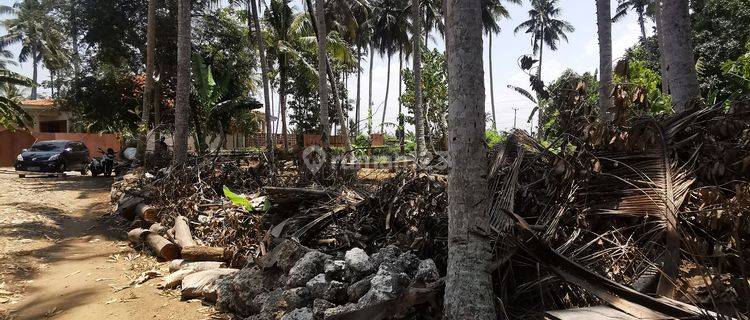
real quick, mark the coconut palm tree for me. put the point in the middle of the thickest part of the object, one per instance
(280, 20)
(38, 33)
(433, 19)
(416, 36)
(182, 91)
(261, 50)
(11, 114)
(389, 23)
(604, 28)
(678, 53)
(148, 87)
(492, 12)
(641, 8)
(545, 29)
(468, 289)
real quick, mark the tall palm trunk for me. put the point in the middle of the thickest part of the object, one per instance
(52, 83)
(148, 87)
(340, 115)
(260, 46)
(540, 103)
(359, 88)
(417, 57)
(282, 99)
(387, 87)
(322, 85)
(157, 110)
(182, 96)
(678, 50)
(35, 74)
(492, 85)
(369, 104)
(642, 24)
(604, 23)
(468, 289)
(660, 40)
(400, 92)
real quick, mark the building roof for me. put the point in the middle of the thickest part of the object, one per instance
(39, 103)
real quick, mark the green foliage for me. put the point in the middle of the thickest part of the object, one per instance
(739, 71)
(642, 78)
(238, 199)
(493, 138)
(106, 101)
(434, 90)
(573, 98)
(11, 114)
(720, 34)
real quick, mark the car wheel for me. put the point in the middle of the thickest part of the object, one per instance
(84, 169)
(61, 167)
(21, 175)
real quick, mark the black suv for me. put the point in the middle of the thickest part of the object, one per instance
(54, 156)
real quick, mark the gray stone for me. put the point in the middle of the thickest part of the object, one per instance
(284, 255)
(261, 316)
(306, 268)
(335, 312)
(336, 270)
(336, 292)
(389, 253)
(320, 306)
(236, 293)
(359, 288)
(280, 300)
(427, 272)
(317, 286)
(299, 314)
(358, 262)
(386, 285)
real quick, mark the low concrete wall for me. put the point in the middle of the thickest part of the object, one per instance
(12, 142)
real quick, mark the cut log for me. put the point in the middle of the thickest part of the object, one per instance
(139, 223)
(203, 253)
(138, 235)
(180, 264)
(203, 284)
(159, 229)
(175, 278)
(126, 206)
(162, 247)
(147, 212)
(182, 235)
(170, 234)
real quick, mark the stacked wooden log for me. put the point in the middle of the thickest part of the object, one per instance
(199, 267)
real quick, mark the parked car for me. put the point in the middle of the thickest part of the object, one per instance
(54, 156)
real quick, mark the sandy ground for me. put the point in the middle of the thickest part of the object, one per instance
(62, 256)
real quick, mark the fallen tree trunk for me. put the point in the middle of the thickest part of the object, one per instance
(162, 247)
(158, 229)
(182, 235)
(138, 235)
(139, 223)
(180, 264)
(146, 212)
(203, 284)
(174, 279)
(203, 253)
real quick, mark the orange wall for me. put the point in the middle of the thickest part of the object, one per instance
(11, 143)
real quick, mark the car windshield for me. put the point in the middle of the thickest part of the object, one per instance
(48, 146)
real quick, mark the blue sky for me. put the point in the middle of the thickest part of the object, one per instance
(579, 54)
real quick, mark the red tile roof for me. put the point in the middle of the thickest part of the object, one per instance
(39, 102)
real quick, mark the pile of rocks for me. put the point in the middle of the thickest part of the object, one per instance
(295, 283)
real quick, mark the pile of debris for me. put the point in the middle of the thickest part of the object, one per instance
(615, 219)
(295, 282)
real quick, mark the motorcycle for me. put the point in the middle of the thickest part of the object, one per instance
(103, 164)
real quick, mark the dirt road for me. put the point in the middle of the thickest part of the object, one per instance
(63, 257)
